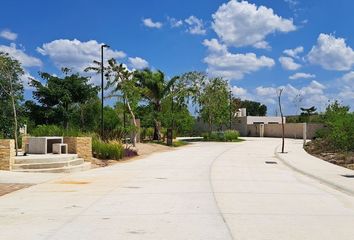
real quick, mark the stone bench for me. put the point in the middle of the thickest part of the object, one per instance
(60, 148)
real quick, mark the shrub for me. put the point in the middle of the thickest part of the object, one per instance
(147, 133)
(219, 136)
(54, 130)
(231, 135)
(107, 150)
(340, 128)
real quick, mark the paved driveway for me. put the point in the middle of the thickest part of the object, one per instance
(201, 191)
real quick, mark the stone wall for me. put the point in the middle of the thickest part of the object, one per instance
(24, 142)
(82, 146)
(7, 153)
(291, 130)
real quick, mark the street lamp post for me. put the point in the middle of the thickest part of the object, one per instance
(102, 86)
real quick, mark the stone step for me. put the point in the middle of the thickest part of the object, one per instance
(44, 158)
(77, 168)
(73, 162)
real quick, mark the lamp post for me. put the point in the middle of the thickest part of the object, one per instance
(102, 86)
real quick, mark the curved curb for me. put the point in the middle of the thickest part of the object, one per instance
(320, 179)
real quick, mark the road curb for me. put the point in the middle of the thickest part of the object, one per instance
(313, 176)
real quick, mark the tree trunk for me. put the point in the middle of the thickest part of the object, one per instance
(134, 122)
(157, 127)
(157, 123)
(282, 121)
(15, 117)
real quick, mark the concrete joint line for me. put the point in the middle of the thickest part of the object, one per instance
(320, 179)
(212, 190)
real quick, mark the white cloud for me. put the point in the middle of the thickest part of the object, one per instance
(312, 95)
(175, 23)
(302, 75)
(222, 63)
(331, 53)
(288, 63)
(214, 46)
(294, 52)
(148, 22)
(346, 86)
(239, 91)
(242, 24)
(348, 77)
(196, 26)
(76, 54)
(347, 93)
(292, 3)
(266, 91)
(7, 34)
(262, 45)
(266, 95)
(138, 63)
(21, 56)
(25, 78)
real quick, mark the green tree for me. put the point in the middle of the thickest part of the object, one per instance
(214, 103)
(122, 85)
(253, 108)
(340, 127)
(154, 89)
(11, 95)
(58, 99)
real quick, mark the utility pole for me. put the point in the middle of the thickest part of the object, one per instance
(102, 87)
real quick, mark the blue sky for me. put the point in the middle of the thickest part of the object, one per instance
(305, 47)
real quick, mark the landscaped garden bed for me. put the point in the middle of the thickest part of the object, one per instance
(319, 148)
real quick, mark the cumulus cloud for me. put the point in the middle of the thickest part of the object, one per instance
(242, 24)
(288, 63)
(348, 77)
(174, 23)
(294, 52)
(195, 25)
(239, 92)
(229, 65)
(331, 53)
(76, 54)
(21, 56)
(266, 91)
(148, 22)
(312, 95)
(138, 63)
(346, 86)
(347, 93)
(302, 75)
(7, 34)
(214, 46)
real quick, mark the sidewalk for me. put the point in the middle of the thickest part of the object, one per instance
(299, 160)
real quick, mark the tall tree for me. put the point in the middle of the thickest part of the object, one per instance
(58, 98)
(154, 89)
(11, 91)
(122, 84)
(214, 103)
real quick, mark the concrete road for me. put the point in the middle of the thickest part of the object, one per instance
(201, 191)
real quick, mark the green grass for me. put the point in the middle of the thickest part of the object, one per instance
(174, 143)
(179, 143)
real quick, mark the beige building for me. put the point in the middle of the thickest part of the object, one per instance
(242, 120)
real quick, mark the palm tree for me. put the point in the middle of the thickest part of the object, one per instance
(154, 89)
